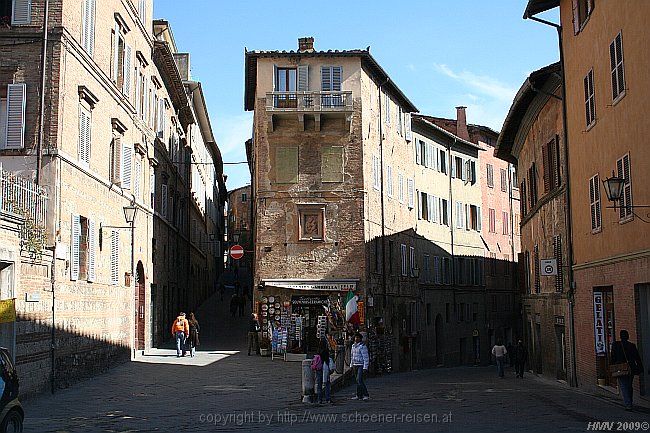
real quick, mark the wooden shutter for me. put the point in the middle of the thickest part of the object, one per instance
(164, 199)
(547, 169)
(84, 135)
(127, 159)
(473, 171)
(326, 78)
(557, 251)
(332, 164)
(88, 26)
(116, 161)
(16, 96)
(418, 152)
(92, 247)
(115, 257)
(286, 164)
(22, 12)
(75, 229)
(126, 88)
(336, 78)
(623, 167)
(408, 135)
(115, 46)
(576, 16)
(303, 78)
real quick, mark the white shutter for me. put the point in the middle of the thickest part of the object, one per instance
(92, 246)
(84, 135)
(115, 41)
(152, 186)
(138, 89)
(411, 193)
(126, 88)
(419, 198)
(91, 29)
(115, 257)
(163, 200)
(303, 78)
(467, 217)
(418, 152)
(22, 12)
(126, 166)
(16, 94)
(478, 218)
(408, 134)
(137, 176)
(75, 229)
(453, 168)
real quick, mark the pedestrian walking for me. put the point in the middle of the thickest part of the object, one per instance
(359, 363)
(253, 329)
(234, 304)
(625, 363)
(242, 303)
(499, 351)
(180, 331)
(194, 334)
(520, 357)
(323, 373)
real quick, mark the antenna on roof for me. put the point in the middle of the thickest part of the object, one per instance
(368, 48)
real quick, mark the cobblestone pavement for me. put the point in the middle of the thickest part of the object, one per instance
(223, 389)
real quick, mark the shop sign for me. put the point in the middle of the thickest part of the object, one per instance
(599, 324)
(308, 300)
(315, 285)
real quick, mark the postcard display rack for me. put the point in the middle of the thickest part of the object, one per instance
(285, 330)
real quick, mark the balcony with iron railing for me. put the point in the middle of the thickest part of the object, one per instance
(309, 101)
(22, 197)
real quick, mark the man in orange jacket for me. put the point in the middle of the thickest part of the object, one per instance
(180, 330)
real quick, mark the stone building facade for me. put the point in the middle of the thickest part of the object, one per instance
(604, 50)
(532, 138)
(109, 104)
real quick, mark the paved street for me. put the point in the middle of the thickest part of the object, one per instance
(222, 389)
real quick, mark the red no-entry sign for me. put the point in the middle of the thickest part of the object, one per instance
(236, 252)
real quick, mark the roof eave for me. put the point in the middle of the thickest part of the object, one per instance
(447, 133)
(535, 7)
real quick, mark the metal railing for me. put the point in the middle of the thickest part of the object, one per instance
(22, 197)
(309, 101)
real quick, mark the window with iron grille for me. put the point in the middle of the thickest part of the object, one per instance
(616, 64)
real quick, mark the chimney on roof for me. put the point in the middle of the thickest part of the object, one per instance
(306, 45)
(461, 123)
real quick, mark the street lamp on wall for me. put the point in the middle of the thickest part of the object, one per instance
(614, 188)
(129, 213)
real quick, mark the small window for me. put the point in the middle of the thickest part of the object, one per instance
(490, 176)
(88, 26)
(581, 11)
(400, 187)
(312, 224)
(412, 261)
(506, 223)
(492, 217)
(376, 173)
(617, 70)
(403, 260)
(411, 193)
(590, 99)
(389, 181)
(443, 161)
(244, 197)
(504, 180)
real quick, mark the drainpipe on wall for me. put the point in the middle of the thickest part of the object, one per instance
(383, 224)
(39, 144)
(572, 285)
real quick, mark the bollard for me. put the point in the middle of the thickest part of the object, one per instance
(340, 358)
(307, 381)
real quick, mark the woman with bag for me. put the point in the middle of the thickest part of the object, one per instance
(625, 362)
(194, 334)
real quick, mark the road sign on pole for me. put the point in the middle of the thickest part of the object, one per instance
(548, 267)
(236, 252)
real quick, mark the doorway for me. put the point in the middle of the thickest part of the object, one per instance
(560, 353)
(643, 334)
(439, 341)
(139, 307)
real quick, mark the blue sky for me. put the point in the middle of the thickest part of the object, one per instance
(442, 54)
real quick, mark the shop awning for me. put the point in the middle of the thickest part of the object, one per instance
(313, 285)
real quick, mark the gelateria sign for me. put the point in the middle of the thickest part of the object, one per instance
(599, 324)
(332, 285)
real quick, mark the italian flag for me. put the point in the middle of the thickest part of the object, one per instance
(351, 312)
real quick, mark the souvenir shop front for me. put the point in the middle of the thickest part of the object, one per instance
(296, 314)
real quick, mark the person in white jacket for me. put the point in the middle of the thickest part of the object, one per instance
(360, 361)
